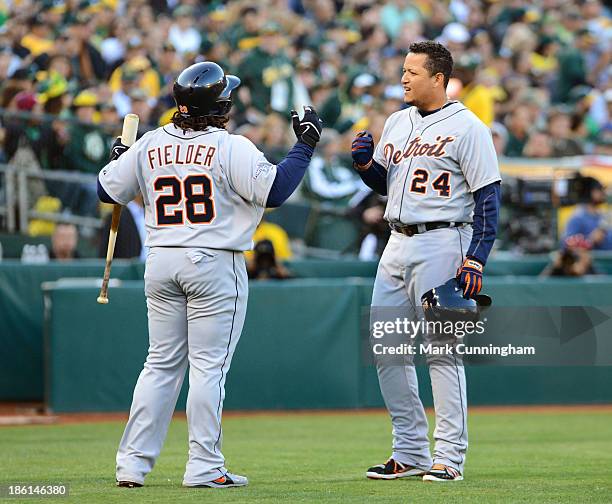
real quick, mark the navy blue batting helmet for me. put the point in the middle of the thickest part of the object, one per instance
(446, 302)
(203, 89)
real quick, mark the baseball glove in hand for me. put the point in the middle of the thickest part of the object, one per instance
(117, 149)
(362, 150)
(470, 277)
(308, 130)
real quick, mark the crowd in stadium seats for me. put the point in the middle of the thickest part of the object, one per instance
(538, 73)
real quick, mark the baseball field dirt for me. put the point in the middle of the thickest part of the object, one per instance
(522, 455)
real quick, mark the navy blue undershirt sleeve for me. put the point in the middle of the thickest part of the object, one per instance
(375, 177)
(289, 173)
(487, 201)
(103, 195)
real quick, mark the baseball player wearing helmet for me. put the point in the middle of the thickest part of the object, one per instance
(205, 191)
(437, 164)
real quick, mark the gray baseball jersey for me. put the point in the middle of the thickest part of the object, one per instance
(204, 194)
(200, 188)
(434, 163)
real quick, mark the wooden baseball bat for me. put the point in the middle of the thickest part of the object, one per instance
(128, 137)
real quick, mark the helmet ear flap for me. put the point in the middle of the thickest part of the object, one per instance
(221, 108)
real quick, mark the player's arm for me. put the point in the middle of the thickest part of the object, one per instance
(478, 161)
(291, 170)
(487, 201)
(268, 185)
(117, 182)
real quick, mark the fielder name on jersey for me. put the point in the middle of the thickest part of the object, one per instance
(434, 163)
(170, 154)
(207, 194)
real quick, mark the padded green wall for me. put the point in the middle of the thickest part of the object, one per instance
(300, 348)
(21, 308)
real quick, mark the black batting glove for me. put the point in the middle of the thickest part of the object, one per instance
(117, 149)
(308, 130)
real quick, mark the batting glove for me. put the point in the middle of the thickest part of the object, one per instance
(117, 149)
(308, 130)
(362, 150)
(470, 277)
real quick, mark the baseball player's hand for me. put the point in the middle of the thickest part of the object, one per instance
(117, 149)
(362, 150)
(308, 130)
(470, 277)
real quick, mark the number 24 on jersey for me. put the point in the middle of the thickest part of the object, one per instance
(420, 178)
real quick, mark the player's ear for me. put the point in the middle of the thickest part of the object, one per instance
(439, 79)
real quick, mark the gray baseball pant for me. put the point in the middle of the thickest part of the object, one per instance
(409, 267)
(196, 301)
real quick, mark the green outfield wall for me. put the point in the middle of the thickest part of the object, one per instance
(300, 348)
(280, 354)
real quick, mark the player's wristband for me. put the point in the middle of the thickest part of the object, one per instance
(365, 167)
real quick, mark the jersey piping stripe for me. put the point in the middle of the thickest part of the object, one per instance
(484, 222)
(189, 138)
(226, 352)
(410, 164)
(456, 370)
(460, 402)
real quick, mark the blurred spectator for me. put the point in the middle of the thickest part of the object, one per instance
(275, 137)
(539, 145)
(264, 264)
(519, 123)
(513, 60)
(87, 62)
(39, 39)
(605, 134)
(141, 106)
(267, 74)
(559, 127)
(245, 35)
(64, 243)
(474, 95)
(183, 35)
(500, 137)
(329, 177)
(131, 234)
(572, 65)
(88, 147)
(275, 235)
(574, 261)
(589, 222)
(369, 208)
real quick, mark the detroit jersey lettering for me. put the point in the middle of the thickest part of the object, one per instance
(434, 163)
(200, 188)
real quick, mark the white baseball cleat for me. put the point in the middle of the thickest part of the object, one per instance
(441, 472)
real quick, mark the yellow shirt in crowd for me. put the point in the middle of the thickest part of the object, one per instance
(278, 237)
(480, 100)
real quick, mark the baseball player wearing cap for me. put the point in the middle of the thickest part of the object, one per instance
(204, 191)
(437, 164)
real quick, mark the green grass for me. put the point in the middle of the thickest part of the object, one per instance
(513, 457)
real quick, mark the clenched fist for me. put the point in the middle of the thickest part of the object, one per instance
(362, 150)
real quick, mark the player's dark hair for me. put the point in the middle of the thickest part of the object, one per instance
(439, 59)
(198, 123)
